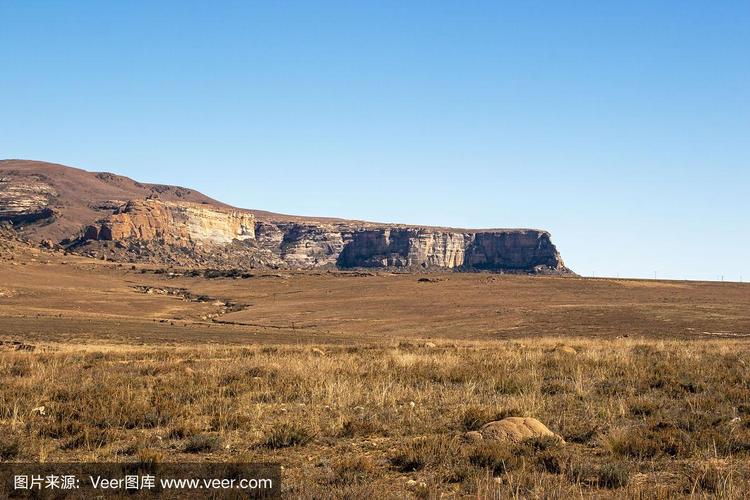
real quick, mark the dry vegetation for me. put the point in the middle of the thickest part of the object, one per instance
(363, 384)
(641, 418)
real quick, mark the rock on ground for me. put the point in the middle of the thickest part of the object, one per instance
(565, 349)
(515, 430)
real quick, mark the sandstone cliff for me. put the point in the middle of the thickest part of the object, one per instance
(513, 249)
(172, 222)
(109, 216)
(26, 199)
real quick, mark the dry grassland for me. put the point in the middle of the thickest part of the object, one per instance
(649, 419)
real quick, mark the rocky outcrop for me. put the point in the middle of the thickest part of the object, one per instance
(173, 222)
(25, 199)
(513, 430)
(299, 245)
(108, 216)
(513, 249)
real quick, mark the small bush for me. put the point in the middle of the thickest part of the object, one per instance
(352, 470)
(549, 461)
(643, 407)
(286, 435)
(459, 473)
(203, 443)
(613, 475)
(648, 443)
(434, 450)
(710, 480)
(182, 430)
(149, 457)
(359, 427)
(510, 386)
(705, 477)
(410, 459)
(493, 456)
(535, 444)
(580, 433)
(89, 438)
(9, 448)
(20, 368)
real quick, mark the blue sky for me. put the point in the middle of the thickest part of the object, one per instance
(621, 127)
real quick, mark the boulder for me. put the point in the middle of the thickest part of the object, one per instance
(565, 349)
(516, 430)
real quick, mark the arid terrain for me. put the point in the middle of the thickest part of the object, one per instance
(365, 383)
(152, 324)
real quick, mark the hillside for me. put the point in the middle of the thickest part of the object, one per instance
(111, 217)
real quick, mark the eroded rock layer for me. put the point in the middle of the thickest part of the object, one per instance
(512, 249)
(109, 216)
(172, 222)
(25, 199)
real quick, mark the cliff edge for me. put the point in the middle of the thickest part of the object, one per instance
(108, 216)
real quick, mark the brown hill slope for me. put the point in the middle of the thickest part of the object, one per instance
(29, 190)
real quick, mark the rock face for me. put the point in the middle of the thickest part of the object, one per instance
(514, 249)
(301, 245)
(405, 247)
(109, 216)
(172, 223)
(25, 199)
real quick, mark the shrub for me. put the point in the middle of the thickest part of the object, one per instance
(410, 459)
(643, 407)
(707, 477)
(9, 448)
(90, 438)
(613, 475)
(580, 433)
(474, 418)
(20, 368)
(549, 461)
(286, 435)
(510, 386)
(435, 450)
(648, 443)
(149, 457)
(493, 456)
(359, 427)
(203, 443)
(352, 470)
(182, 430)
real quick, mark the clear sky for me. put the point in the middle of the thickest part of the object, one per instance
(621, 127)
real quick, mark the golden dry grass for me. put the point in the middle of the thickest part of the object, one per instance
(641, 418)
(362, 384)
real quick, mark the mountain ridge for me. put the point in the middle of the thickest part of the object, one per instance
(82, 211)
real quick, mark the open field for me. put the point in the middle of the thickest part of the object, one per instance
(364, 384)
(66, 298)
(649, 419)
